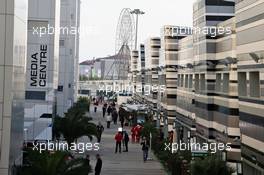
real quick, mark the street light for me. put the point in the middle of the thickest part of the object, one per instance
(137, 12)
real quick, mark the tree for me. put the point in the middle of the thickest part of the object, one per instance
(74, 125)
(57, 163)
(211, 165)
(83, 103)
(148, 128)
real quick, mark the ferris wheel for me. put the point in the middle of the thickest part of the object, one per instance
(125, 31)
(125, 40)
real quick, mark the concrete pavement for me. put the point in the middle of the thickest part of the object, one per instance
(125, 163)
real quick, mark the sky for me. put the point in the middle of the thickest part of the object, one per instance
(99, 19)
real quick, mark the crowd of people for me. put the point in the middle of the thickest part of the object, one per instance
(111, 114)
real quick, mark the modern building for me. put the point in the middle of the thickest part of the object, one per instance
(141, 68)
(207, 100)
(168, 68)
(13, 46)
(69, 56)
(214, 89)
(152, 48)
(134, 67)
(42, 68)
(250, 68)
(138, 72)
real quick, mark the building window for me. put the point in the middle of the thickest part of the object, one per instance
(218, 82)
(186, 81)
(179, 80)
(226, 83)
(190, 81)
(62, 43)
(182, 80)
(84, 92)
(60, 88)
(242, 84)
(254, 84)
(202, 80)
(197, 83)
(35, 95)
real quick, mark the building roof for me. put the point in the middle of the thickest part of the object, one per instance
(91, 62)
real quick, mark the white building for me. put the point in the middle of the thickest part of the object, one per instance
(13, 37)
(69, 56)
(42, 66)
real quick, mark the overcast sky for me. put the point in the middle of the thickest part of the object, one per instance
(99, 19)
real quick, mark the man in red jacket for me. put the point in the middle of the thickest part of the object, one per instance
(118, 138)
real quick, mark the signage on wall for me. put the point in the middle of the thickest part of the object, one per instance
(39, 67)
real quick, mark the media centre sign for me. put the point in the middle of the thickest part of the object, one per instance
(39, 67)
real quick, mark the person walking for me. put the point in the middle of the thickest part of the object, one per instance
(118, 139)
(145, 148)
(121, 117)
(104, 109)
(109, 110)
(114, 116)
(95, 105)
(98, 166)
(100, 130)
(108, 120)
(126, 140)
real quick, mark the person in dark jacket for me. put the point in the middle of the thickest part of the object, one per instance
(121, 117)
(126, 140)
(104, 109)
(109, 110)
(145, 149)
(98, 165)
(114, 116)
(100, 129)
(95, 106)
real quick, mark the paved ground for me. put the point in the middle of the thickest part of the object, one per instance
(126, 163)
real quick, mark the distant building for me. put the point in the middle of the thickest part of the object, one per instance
(100, 68)
(85, 68)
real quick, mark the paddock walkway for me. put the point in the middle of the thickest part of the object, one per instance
(126, 163)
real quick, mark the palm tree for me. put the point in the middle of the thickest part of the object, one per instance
(148, 128)
(74, 125)
(83, 103)
(211, 165)
(57, 163)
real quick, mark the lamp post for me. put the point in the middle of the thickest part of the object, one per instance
(137, 12)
